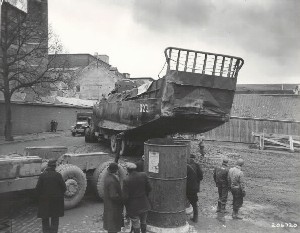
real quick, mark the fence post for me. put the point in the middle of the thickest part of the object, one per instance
(291, 144)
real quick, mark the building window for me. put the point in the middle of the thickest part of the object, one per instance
(78, 88)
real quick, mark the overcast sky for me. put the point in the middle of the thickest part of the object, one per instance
(134, 33)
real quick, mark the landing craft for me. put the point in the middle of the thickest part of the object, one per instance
(194, 96)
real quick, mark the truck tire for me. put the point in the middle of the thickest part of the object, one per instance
(76, 184)
(100, 173)
(113, 143)
(73, 134)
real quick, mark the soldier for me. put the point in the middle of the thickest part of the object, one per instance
(140, 164)
(237, 186)
(50, 191)
(194, 176)
(136, 188)
(201, 144)
(221, 180)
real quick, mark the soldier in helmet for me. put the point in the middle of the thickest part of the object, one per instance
(237, 186)
(221, 180)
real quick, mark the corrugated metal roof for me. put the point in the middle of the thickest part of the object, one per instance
(277, 107)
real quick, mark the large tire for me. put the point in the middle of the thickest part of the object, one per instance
(73, 134)
(113, 143)
(101, 172)
(76, 184)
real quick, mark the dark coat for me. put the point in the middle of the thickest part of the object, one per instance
(140, 165)
(136, 188)
(50, 191)
(113, 205)
(221, 176)
(194, 176)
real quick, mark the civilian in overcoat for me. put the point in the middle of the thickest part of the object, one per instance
(50, 190)
(194, 176)
(136, 188)
(113, 204)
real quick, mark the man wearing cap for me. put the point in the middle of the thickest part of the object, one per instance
(136, 188)
(50, 190)
(237, 186)
(194, 176)
(113, 204)
(221, 180)
(140, 164)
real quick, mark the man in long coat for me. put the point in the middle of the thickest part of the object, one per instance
(136, 188)
(194, 176)
(113, 204)
(50, 191)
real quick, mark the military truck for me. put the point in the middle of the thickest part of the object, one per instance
(21, 172)
(82, 122)
(194, 96)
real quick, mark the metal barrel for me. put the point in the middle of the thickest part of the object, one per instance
(165, 165)
(187, 142)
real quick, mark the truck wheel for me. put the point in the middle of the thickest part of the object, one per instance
(113, 143)
(124, 148)
(101, 172)
(76, 184)
(73, 134)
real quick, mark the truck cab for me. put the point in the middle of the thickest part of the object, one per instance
(82, 122)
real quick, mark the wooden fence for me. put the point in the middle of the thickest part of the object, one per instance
(240, 129)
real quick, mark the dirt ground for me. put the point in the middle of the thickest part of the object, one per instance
(272, 202)
(272, 185)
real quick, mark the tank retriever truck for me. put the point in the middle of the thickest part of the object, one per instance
(194, 96)
(21, 172)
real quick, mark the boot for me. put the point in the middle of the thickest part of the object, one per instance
(223, 209)
(195, 216)
(219, 207)
(143, 228)
(235, 215)
(136, 230)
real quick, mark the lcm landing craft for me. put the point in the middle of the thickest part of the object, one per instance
(194, 96)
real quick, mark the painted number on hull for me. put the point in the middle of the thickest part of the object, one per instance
(143, 107)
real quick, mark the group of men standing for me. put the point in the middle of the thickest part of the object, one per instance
(133, 195)
(230, 180)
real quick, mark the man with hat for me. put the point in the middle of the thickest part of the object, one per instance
(136, 188)
(221, 180)
(50, 190)
(194, 176)
(113, 204)
(237, 186)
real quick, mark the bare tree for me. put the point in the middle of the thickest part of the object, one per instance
(25, 62)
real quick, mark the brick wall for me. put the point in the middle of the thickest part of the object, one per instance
(34, 118)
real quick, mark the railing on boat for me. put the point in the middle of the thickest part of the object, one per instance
(203, 62)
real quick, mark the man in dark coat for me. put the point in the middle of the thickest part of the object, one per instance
(140, 164)
(194, 176)
(136, 188)
(221, 179)
(113, 204)
(50, 190)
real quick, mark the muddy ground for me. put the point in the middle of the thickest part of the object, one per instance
(272, 201)
(272, 184)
